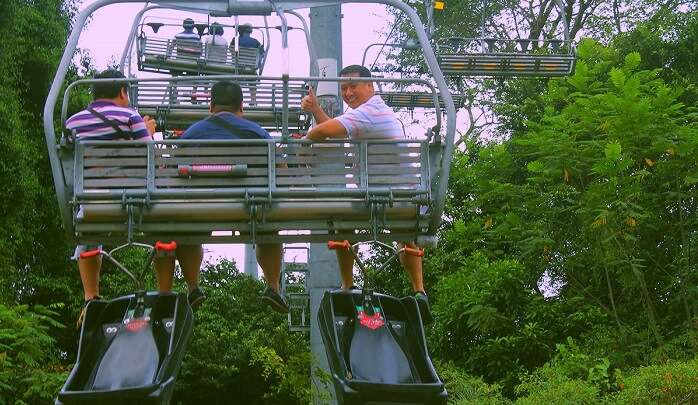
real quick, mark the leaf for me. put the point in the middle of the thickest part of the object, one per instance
(617, 77)
(632, 61)
(612, 151)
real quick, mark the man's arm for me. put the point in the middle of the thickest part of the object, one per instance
(311, 105)
(331, 128)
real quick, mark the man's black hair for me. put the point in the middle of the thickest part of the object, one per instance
(226, 94)
(188, 24)
(361, 70)
(245, 28)
(108, 90)
(216, 29)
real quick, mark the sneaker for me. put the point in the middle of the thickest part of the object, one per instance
(83, 311)
(196, 297)
(275, 301)
(424, 307)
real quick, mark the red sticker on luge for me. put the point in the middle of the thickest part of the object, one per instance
(372, 322)
(136, 324)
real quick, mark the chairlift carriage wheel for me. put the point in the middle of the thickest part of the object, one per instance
(243, 191)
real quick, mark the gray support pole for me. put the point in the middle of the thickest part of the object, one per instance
(250, 266)
(326, 33)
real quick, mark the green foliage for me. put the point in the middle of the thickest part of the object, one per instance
(465, 389)
(671, 383)
(241, 349)
(30, 371)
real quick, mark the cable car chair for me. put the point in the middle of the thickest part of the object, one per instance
(503, 57)
(181, 56)
(241, 191)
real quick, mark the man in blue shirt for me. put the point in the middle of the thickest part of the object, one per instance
(227, 122)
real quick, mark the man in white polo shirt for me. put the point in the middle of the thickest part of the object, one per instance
(368, 118)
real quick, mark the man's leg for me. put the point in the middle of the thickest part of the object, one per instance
(190, 258)
(269, 258)
(413, 267)
(346, 267)
(89, 275)
(164, 272)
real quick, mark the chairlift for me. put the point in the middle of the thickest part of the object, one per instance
(177, 56)
(238, 191)
(116, 191)
(504, 57)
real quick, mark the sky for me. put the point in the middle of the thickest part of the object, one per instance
(106, 34)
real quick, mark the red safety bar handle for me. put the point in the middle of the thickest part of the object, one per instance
(336, 244)
(167, 247)
(414, 252)
(90, 253)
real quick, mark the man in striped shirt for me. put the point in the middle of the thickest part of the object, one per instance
(109, 111)
(368, 118)
(109, 117)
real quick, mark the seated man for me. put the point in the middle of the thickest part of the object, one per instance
(246, 41)
(369, 118)
(216, 45)
(188, 42)
(227, 122)
(109, 117)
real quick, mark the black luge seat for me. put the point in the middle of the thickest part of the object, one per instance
(124, 358)
(379, 358)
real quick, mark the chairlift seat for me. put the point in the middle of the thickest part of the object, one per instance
(414, 99)
(505, 58)
(388, 364)
(135, 188)
(172, 56)
(179, 105)
(127, 360)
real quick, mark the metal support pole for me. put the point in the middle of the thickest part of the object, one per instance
(326, 33)
(250, 266)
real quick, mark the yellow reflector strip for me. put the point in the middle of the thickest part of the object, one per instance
(439, 5)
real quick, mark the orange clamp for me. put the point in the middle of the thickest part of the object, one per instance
(414, 252)
(90, 253)
(168, 247)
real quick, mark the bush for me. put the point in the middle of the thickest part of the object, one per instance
(465, 389)
(671, 383)
(30, 372)
(558, 390)
(240, 348)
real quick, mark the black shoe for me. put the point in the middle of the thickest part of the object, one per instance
(83, 311)
(275, 301)
(196, 297)
(424, 307)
